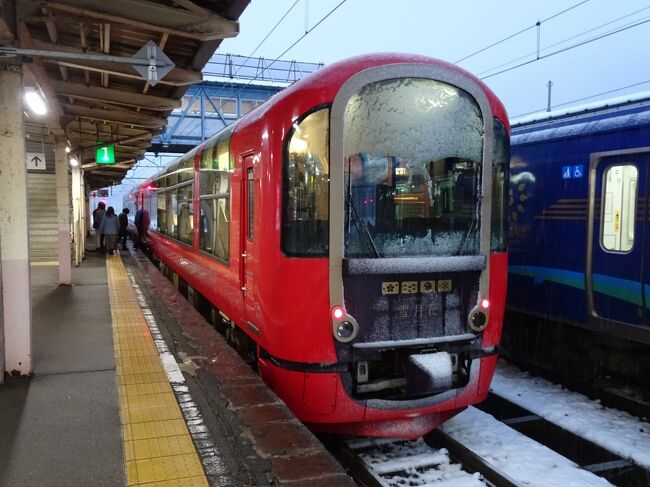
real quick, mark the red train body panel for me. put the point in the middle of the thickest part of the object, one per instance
(281, 233)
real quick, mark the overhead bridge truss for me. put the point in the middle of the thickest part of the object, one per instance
(234, 85)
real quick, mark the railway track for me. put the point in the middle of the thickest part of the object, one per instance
(588, 455)
(497, 444)
(382, 462)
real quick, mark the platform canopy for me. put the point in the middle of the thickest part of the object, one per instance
(95, 103)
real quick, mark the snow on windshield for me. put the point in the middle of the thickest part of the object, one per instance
(417, 119)
(413, 150)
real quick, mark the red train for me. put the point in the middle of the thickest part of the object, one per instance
(351, 232)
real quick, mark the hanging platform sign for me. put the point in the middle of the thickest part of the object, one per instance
(105, 155)
(35, 161)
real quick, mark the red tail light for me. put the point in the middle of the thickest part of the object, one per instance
(337, 312)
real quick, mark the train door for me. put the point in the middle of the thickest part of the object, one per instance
(617, 237)
(248, 254)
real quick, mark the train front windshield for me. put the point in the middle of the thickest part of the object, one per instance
(413, 150)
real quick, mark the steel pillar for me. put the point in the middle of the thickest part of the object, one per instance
(14, 226)
(63, 213)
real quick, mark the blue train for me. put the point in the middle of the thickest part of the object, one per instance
(579, 269)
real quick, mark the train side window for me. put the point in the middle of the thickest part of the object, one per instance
(500, 173)
(171, 203)
(185, 214)
(149, 206)
(214, 195)
(305, 187)
(161, 213)
(215, 227)
(618, 213)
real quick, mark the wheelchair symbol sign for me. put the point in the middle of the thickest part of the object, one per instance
(576, 171)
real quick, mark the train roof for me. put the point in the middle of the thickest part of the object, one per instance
(602, 116)
(328, 80)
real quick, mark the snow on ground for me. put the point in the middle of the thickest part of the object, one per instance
(396, 463)
(515, 455)
(614, 430)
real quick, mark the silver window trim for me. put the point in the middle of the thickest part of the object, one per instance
(351, 87)
(594, 161)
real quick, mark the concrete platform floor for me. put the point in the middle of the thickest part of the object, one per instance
(62, 425)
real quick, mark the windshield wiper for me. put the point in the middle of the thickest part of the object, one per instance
(468, 236)
(353, 216)
(362, 228)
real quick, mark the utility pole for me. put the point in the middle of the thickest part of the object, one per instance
(549, 85)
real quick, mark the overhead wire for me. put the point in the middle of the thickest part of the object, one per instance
(536, 24)
(559, 51)
(307, 32)
(272, 30)
(565, 40)
(577, 100)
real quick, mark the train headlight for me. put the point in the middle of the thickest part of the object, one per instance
(478, 317)
(344, 326)
(345, 330)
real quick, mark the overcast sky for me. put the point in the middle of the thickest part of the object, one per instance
(451, 30)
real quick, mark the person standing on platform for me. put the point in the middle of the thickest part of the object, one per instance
(139, 225)
(109, 229)
(98, 216)
(124, 223)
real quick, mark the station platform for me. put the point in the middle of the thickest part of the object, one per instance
(131, 386)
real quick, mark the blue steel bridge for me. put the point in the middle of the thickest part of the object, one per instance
(233, 86)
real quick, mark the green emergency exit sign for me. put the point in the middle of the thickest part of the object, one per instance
(105, 155)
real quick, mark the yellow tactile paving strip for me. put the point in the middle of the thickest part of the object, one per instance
(158, 449)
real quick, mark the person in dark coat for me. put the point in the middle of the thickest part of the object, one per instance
(98, 216)
(139, 225)
(124, 223)
(110, 229)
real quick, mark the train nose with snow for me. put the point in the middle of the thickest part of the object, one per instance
(352, 231)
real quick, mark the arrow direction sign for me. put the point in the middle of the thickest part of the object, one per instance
(154, 72)
(150, 61)
(35, 161)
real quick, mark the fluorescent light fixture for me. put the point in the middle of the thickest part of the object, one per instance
(35, 102)
(74, 162)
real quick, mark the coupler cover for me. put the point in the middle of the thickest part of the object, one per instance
(429, 373)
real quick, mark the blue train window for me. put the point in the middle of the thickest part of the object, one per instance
(619, 208)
